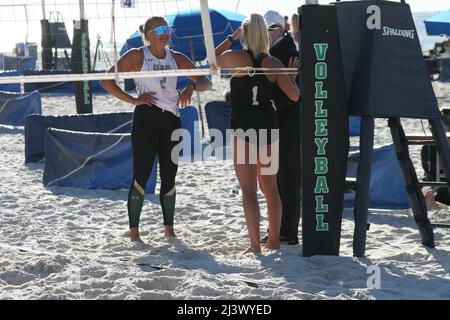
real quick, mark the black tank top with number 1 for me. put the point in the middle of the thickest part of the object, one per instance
(252, 106)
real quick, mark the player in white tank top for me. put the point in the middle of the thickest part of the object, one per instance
(159, 91)
(152, 127)
(165, 88)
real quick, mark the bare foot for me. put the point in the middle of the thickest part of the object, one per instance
(272, 245)
(429, 195)
(255, 250)
(134, 235)
(169, 232)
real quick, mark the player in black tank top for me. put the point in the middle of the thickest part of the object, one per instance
(252, 107)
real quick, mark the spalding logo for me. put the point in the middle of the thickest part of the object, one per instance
(373, 22)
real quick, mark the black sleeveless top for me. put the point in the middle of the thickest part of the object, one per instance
(251, 103)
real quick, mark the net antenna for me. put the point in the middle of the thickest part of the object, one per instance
(113, 39)
(237, 5)
(208, 35)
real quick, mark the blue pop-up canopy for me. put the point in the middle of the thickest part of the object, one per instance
(187, 37)
(438, 24)
(188, 31)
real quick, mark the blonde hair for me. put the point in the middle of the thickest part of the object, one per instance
(149, 25)
(295, 22)
(255, 35)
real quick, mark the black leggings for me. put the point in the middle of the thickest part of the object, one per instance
(150, 136)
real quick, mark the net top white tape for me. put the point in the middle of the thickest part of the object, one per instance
(103, 76)
(135, 75)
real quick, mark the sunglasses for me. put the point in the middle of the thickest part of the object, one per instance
(162, 30)
(271, 28)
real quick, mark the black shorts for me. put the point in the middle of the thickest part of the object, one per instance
(256, 127)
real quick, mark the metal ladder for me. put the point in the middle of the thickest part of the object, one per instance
(412, 183)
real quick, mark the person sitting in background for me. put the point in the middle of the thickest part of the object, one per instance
(440, 48)
(428, 156)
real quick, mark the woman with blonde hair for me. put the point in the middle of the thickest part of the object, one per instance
(254, 111)
(155, 118)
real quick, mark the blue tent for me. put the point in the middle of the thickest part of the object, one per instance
(97, 155)
(188, 32)
(90, 160)
(36, 125)
(15, 107)
(188, 36)
(10, 87)
(17, 62)
(438, 24)
(387, 187)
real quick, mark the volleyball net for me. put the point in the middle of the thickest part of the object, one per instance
(100, 28)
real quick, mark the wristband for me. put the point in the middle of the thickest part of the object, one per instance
(230, 38)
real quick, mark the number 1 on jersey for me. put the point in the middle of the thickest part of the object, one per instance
(255, 96)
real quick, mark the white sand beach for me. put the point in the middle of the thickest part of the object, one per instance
(67, 243)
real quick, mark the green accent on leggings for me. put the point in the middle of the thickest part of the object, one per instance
(135, 202)
(168, 208)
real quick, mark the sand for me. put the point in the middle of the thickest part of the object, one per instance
(67, 243)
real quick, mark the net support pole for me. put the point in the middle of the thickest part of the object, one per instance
(81, 9)
(324, 131)
(27, 19)
(207, 32)
(44, 16)
(361, 209)
(113, 38)
(46, 42)
(81, 63)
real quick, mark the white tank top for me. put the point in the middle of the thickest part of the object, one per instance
(165, 87)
